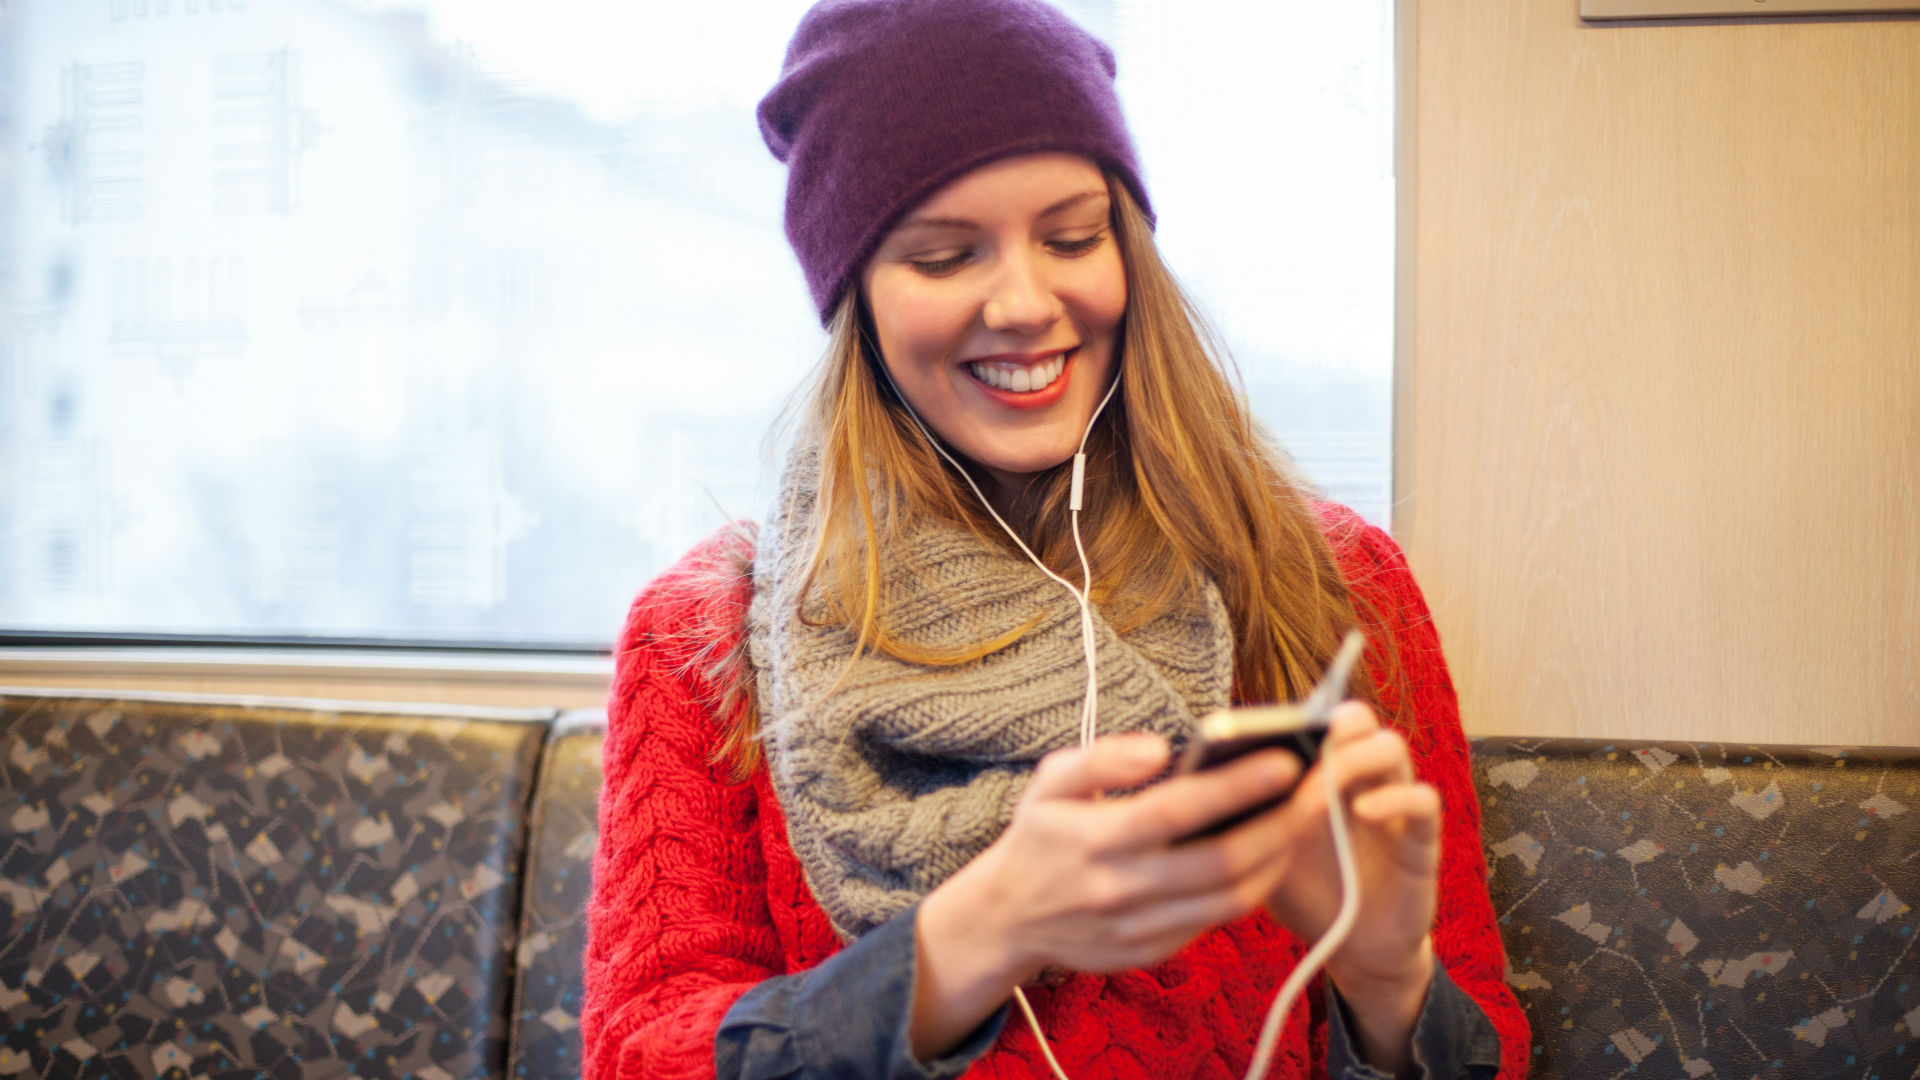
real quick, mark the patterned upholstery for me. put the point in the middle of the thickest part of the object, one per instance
(553, 929)
(1671, 910)
(219, 890)
(228, 888)
(1692, 910)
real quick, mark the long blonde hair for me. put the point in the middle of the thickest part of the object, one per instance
(1182, 482)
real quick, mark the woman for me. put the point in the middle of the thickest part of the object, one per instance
(847, 814)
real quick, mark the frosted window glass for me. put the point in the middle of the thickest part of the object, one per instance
(459, 319)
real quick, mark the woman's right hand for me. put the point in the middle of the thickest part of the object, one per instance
(1092, 884)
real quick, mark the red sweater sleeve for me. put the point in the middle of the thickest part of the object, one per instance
(678, 926)
(1466, 937)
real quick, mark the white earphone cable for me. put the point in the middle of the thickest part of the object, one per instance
(1089, 705)
(1335, 936)
(1089, 725)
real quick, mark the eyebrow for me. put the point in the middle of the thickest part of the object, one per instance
(1063, 205)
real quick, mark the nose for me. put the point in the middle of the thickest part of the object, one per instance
(1022, 299)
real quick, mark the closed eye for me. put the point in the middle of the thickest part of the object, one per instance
(1078, 247)
(940, 267)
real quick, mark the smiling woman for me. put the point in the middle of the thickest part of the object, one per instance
(1027, 534)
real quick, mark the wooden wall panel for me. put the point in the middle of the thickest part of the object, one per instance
(1658, 428)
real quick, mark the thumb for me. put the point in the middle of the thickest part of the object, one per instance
(1113, 761)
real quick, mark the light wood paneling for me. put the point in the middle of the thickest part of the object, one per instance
(1658, 436)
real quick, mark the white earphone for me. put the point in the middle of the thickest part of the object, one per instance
(1089, 707)
(1089, 721)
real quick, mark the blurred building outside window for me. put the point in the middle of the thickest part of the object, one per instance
(457, 320)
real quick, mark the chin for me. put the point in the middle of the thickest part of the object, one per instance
(1011, 465)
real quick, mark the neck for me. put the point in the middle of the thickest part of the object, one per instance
(1007, 491)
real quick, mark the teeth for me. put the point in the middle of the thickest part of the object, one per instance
(1017, 378)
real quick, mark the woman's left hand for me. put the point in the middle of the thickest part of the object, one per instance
(1385, 967)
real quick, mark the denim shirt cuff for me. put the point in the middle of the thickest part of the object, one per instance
(1452, 1037)
(848, 1016)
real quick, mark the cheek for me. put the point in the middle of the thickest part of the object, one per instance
(916, 325)
(1103, 298)
(1114, 311)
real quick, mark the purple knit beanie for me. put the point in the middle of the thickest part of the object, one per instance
(883, 102)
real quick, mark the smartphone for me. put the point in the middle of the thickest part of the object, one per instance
(1299, 728)
(1233, 733)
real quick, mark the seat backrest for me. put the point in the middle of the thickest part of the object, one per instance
(248, 886)
(553, 922)
(1692, 909)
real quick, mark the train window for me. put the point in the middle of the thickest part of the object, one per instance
(455, 320)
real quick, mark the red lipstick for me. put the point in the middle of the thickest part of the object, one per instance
(1028, 399)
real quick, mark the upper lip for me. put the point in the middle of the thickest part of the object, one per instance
(1020, 358)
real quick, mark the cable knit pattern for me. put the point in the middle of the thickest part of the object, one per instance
(893, 778)
(698, 895)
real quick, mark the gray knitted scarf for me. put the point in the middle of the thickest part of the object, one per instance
(902, 773)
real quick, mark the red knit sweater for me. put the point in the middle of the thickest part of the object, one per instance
(697, 895)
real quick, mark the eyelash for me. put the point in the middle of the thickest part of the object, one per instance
(1068, 248)
(1079, 247)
